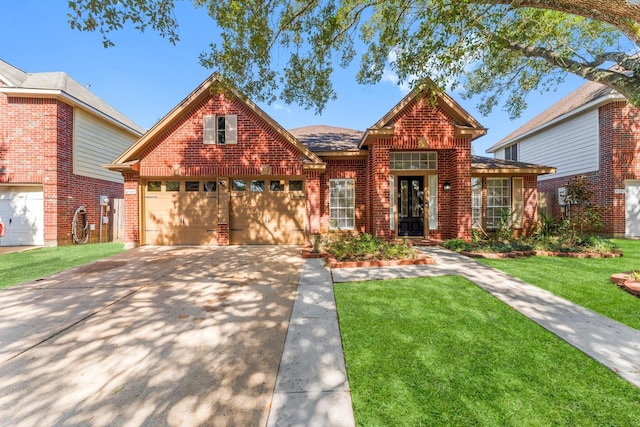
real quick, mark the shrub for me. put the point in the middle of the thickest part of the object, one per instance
(346, 246)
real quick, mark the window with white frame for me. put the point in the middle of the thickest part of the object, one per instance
(220, 130)
(511, 152)
(413, 160)
(476, 202)
(341, 204)
(498, 200)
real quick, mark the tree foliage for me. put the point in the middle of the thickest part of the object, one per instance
(500, 50)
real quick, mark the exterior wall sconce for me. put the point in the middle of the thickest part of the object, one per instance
(446, 186)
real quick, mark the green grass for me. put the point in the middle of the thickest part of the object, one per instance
(19, 267)
(583, 281)
(441, 351)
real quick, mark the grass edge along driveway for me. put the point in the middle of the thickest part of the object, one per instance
(20, 267)
(441, 351)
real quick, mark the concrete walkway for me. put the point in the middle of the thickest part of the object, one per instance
(312, 387)
(611, 343)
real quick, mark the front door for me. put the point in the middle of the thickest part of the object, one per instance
(410, 206)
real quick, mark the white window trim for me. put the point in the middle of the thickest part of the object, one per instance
(210, 129)
(350, 182)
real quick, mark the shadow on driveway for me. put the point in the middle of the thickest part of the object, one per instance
(153, 336)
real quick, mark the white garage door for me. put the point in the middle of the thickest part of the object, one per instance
(22, 212)
(632, 209)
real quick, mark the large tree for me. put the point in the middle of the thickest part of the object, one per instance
(500, 50)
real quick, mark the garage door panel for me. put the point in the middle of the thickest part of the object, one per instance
(181, 217)
(267, 217)
(22, 211)
(632, 209)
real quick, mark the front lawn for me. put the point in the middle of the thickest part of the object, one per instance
(19, 267)
(441, 351)
(583, 281)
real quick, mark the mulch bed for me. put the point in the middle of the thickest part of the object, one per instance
(526, 254)
(332, 262)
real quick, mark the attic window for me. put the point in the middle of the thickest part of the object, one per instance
(511, 152)
(221, 130)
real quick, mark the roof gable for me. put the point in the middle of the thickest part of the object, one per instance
(131, 155)
(464, 122)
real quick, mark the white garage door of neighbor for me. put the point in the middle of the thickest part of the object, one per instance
(632, 209)
(22, 212)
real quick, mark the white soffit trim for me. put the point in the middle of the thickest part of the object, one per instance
(33, 93)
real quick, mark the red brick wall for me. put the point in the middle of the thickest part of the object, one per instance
(36, 148)
(258, 145)
(421, 126)
(344, 169)
(312, 187)
(131, 209)
(620, 134)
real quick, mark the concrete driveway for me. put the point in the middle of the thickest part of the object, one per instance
(176, 336)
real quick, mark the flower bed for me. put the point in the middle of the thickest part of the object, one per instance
(344, 249)
(526, 254)
(332, 262)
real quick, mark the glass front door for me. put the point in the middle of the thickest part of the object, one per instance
(410, 206)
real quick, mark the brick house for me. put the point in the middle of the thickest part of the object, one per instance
(595, 132)
(54, 137)
(218, 170)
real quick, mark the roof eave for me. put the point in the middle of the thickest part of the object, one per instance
(373, 134)
(132, 166)
(337, 154)
(513, 171)
(62, 95)
(596, 103)
(468, 131)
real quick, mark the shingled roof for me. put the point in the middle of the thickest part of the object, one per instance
(321, 138)
(574, 102)
(490, 165)
(14, 80)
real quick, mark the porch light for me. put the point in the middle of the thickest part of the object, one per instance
(446, 186)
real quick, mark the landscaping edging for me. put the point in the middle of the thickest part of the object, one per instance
(332, 262)
(526, 254)
(630, 285)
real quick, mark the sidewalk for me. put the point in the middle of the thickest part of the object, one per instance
(312, 387)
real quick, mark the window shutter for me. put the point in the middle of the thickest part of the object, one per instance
(209, 129)
(231, 129)
(518, 202)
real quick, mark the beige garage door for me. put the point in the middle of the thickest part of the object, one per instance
(267, 211)
(181, 212)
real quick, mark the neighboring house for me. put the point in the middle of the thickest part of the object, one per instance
(218, 170)
(595, 132)
(54, 136)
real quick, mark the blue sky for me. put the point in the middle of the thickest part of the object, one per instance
(144, 76)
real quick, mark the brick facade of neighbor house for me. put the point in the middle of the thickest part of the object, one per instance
(37, 149)
(37, 124)
(609, 139)
(619, 160)
(174, 151)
